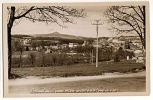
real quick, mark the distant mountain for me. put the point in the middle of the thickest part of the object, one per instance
(59, 35)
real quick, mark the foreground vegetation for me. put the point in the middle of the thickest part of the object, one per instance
(79, 69)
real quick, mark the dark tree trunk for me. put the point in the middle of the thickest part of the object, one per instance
(43, 56)
(21, 58)
(144, 29)
(9, 27)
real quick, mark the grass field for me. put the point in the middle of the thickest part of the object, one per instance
(78, 69)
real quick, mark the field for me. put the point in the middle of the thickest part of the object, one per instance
(78, 69)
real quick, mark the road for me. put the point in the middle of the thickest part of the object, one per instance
(122, 82)
(31, 80)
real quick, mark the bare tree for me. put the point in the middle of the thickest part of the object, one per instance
(129, 19)
(48, 14)
(42, 43)
(32, 58)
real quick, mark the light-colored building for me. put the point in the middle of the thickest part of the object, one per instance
(139, 56)
(54, 46)
(62, 46)
(48, 51)
(71, 45)
(26, 41)
(84, 43)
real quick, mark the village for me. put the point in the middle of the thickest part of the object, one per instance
(85, 48)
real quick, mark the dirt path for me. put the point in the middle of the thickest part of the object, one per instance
(38, 80)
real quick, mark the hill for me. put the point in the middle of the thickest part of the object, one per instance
(59, 35)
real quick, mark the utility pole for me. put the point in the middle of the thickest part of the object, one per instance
(97, 23)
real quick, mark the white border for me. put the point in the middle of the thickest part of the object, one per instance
(80, 98)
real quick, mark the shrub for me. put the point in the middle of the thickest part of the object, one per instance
(116, 58)
(122, 54)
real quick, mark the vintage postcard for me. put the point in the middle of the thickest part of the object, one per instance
(76, 49)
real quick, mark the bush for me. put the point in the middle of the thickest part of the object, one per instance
(60, 59)
(122, 54)
(40, 59)
(116, 58)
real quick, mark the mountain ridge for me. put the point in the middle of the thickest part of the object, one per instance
(59, 35)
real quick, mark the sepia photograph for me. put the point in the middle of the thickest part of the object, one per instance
(76, 49)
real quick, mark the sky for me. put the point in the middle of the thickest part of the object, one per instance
(82, 27)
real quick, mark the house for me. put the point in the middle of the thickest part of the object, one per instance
(84, 43)
(62, 46)
(71, 53)
(39, 48)
(26, 41)
(54, 46)
(48, 51)
(75, 44)
(139, 56)
(71, 45)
